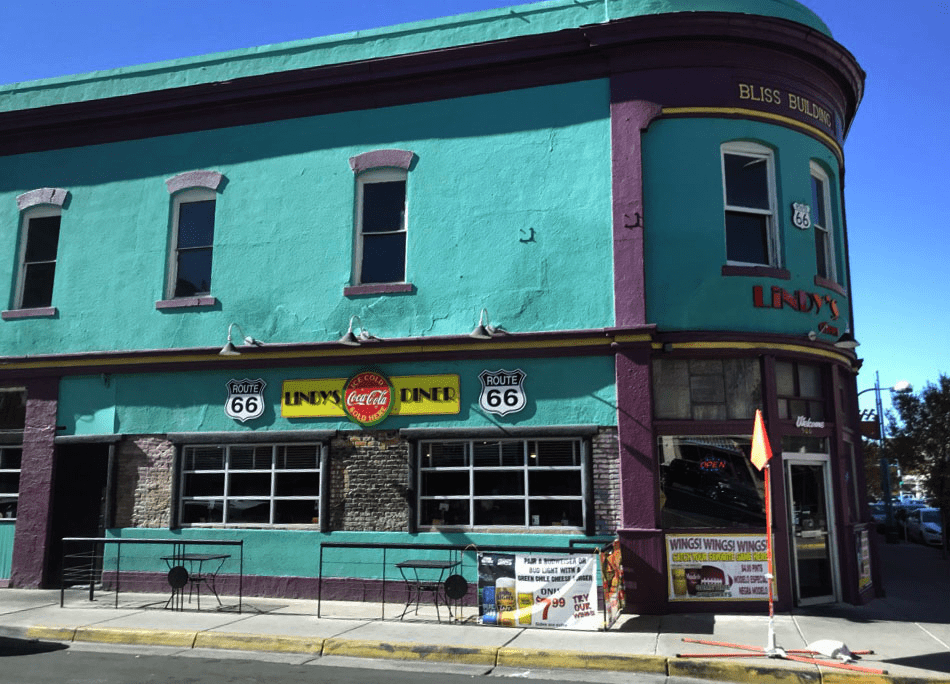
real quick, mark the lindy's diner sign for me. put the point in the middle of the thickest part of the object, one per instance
(368, 397)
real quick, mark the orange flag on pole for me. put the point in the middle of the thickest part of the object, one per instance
(761, 449)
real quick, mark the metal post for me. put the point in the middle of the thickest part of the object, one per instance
(890, 533)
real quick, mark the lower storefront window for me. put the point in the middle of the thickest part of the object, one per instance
(264, 484)
(513, 483)
(9, 480)
(709, 481)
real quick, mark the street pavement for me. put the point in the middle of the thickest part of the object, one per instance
(908, 631)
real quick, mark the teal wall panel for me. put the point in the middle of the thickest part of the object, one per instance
(6, 548)
(685, 240)
(507, 211)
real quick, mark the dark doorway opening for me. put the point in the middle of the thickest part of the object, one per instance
(80, 479)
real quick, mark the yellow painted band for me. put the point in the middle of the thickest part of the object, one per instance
(581, 660)
(54, 633)
(359, 648)
(151, 637)
(259, 642)
(797, 348)
(836, 148)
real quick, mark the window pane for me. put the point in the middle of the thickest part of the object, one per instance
(445, 483)
(818, 201)
(557, 513)
(194, 273)
(12, 411)
(747, 238)
(444, 455)
(486, 454)
(9, 483)
(304, 457)
(743, 387)
(671, 388)
(204, 458)
(556, 453)
(305, 512)
(384, 258)
(250, 458)
(10, 458)
(8, 506)
(554, 483)
(499, 483)
(248, 511)
(512, 453)
(709, 482)
(821, 252)
(384, 206)
(297, 484)
(809, 380)
(38, 285)
(785, 378)
(499, 512)
(452, 512)
(204, 484)
(249, 484)
(195, 224)
(202, 512)
(747, 181)
(42, 239)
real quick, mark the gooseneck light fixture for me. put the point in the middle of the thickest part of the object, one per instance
(229, 349)
(351, 340)
(484, 330)
(847, 341)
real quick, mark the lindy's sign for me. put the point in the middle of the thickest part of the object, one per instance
(799, 300)
(369, 397)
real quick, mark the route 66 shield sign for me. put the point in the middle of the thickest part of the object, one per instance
(245, 399)
(502, 391)
(801, 215)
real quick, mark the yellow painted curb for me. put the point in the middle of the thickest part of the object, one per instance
(580, 660)
(54, 633)
(742, 670)
(408, 651)
(835, 676)
(150, 637)
(259, 642)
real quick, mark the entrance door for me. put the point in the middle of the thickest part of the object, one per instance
(811, 522)
(79, 497)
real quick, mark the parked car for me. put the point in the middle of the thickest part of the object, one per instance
(878, 515)
(924, 525)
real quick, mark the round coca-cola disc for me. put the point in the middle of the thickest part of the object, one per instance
(368, 397)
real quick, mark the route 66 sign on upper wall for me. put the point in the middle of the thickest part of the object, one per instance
(245, 399)
(502, 391)
(801, 215)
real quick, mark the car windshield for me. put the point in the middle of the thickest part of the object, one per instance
(930, 516)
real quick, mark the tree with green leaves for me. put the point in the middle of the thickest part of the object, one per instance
(920, 438)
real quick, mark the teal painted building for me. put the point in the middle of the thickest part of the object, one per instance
(511, 278)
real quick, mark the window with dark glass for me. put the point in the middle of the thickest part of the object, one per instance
(381, 226)
(194, 238)
(38, 262)
(800, 389)
(706, 389)
(251, 484)
(709, 481)
(749, 205)
(520, 483)
(821, 222)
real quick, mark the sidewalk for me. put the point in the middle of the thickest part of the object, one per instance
(909, 631)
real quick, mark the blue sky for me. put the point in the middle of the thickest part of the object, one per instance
(896, 169)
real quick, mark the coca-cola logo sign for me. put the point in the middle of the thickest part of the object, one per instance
(367, 397)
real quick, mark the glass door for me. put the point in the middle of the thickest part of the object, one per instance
(811, 523)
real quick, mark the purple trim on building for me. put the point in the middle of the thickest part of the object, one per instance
(55, 196)
(397, 159)
(34, 511)
(194, 179)
(627, 122)
(16, 314)
(757, 272)
(830, 285)
(377, 289)
(186, 302)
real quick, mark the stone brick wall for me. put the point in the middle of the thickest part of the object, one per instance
(369, 482)
(144, 481)
(606, 461)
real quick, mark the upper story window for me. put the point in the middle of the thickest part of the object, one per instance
(381, 215)
(821, 221)
(800, 390)
(40, 218)
(194, 199)
(749, 192)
